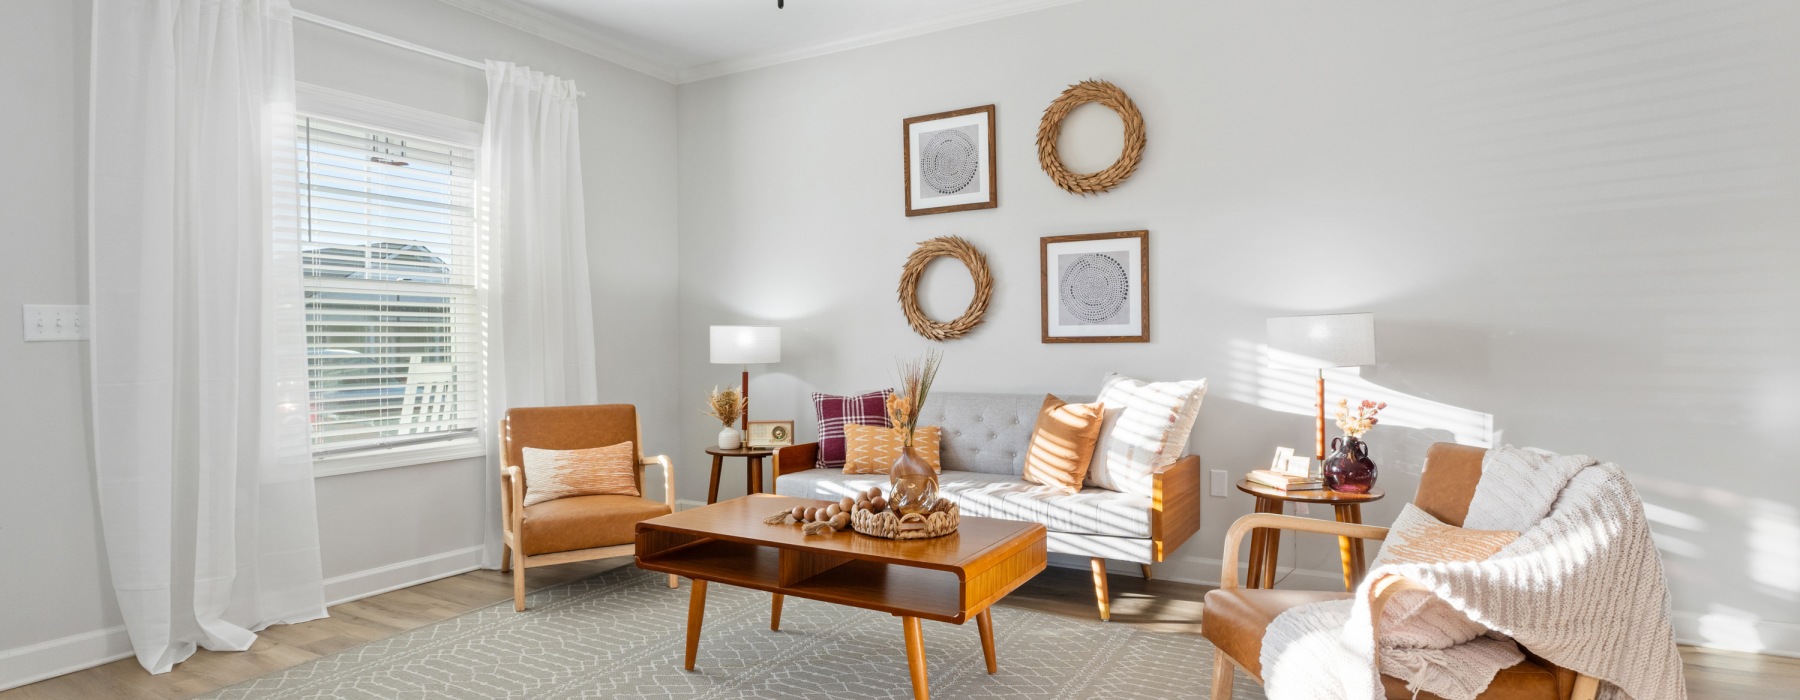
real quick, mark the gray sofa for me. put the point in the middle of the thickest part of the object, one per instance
(983, 455)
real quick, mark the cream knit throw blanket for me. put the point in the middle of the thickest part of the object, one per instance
(1582, 587)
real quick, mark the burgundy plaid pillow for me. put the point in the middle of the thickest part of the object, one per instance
(837, 411)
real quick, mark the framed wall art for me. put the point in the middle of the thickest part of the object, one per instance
(1096, 287)
(950, 161)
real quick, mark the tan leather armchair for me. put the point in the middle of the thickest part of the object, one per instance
(578, 528)
(1234, 618)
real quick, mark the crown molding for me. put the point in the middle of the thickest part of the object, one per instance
(948, 21)
(533, 21)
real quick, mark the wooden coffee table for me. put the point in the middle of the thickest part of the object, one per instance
(948, 579)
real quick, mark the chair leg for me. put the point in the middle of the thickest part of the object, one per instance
(518, 573)
(505, 558)
(1100, 595)
(674, 581)
(1223, 668)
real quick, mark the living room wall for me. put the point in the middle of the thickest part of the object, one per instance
(378, 529)
(1574, 222)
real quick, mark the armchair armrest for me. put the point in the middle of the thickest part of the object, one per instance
(1174, 505)
(797, 458)
(668, 477)
(512, 504)
(1234, 538)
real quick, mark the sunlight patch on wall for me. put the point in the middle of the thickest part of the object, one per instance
(1774, 538)
(1727, 627)
(1256, 380)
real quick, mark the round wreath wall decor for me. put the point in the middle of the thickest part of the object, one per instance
(962, 250)
(1110, 96)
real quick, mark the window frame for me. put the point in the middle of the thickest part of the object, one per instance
(327, 103)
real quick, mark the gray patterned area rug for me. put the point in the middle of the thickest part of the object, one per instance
(620, 634)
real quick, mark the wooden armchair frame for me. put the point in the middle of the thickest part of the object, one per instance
(1385, 587)
(512, 519)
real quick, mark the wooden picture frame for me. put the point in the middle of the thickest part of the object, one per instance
(948, 161)
(1107, 296)
(769, 433)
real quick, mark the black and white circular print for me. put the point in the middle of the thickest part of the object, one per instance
(948, 161)
(1094, 289)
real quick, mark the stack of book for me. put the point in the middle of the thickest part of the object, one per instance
(1281, 481)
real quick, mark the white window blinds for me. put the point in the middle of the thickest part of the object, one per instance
(392, 328)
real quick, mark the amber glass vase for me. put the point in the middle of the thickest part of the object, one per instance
(912, 483)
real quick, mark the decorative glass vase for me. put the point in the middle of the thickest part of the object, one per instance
(912, 483)
(1349, 469)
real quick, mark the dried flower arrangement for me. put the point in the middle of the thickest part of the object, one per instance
(725, 406)
(1359, 422)
(916, 376)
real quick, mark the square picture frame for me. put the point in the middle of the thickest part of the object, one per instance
(769, 433)
(1095, 287)
(949, 161)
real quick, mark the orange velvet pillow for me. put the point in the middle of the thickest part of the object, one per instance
(1062, 443)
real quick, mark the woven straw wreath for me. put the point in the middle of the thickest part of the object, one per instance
(1113, 98)
(964, 251)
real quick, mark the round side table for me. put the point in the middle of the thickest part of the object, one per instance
(753, 458)
(1265, 543)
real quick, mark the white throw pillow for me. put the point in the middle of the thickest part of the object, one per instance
(1147, 426)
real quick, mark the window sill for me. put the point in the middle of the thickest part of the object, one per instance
(397, 457)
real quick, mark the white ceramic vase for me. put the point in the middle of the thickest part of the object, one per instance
(730, 438)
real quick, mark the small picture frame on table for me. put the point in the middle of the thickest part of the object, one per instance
(950, 161)
(1279, 464)
(1298, 465)
(770, 433)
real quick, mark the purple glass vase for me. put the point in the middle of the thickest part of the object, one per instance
(1349, 469)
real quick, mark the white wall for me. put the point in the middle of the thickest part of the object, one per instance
(1575, 221)
(378, 529)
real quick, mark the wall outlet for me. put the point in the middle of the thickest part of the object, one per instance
(55, 322)
(1219, 477)
(1301, 509)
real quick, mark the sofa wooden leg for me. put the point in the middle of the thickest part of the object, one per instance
(674, 581)
(1146, 571)
(1222, 671)
(1100, 595)
(518, 572)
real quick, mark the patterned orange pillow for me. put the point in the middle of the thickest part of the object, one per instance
(598, 471)
(872, 449)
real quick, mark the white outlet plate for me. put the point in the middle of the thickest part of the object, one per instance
(55, 322)
(1219, 477)
(1301, 509)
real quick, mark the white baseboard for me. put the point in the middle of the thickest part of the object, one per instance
(30, 664)
(48, 659)
(1737, 634)
(393, 577)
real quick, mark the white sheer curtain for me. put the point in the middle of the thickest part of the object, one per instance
(199, 381)
(540, 309)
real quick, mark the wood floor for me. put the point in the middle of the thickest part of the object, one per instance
(1161, 606)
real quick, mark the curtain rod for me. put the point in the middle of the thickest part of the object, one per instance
(391, 41)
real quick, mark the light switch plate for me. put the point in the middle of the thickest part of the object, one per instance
(55, 322)
(1219, 477)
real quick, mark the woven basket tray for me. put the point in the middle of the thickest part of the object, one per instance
(886, 524)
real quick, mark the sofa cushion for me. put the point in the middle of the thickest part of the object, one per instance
(1090, 512)
(1147, 426)
(584, 522)
(985, 433)
(834, 412)
(870, 449)
(1062, 443)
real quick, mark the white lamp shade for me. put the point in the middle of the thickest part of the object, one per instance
(1319, 342)
(746, 345)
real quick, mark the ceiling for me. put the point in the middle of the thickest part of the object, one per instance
(686, 40)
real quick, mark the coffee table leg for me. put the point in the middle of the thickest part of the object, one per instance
(985, 622)
(775, 613)
(915, 657)
(696, 611)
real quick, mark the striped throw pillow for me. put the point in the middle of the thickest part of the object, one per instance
(598, 471)
(872, 450)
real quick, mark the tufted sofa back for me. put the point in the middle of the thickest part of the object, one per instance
(985, 433)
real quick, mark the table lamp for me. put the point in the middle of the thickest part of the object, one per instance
(746, 345)
(1320, 342)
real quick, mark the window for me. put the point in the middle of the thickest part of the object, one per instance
(392, 319)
